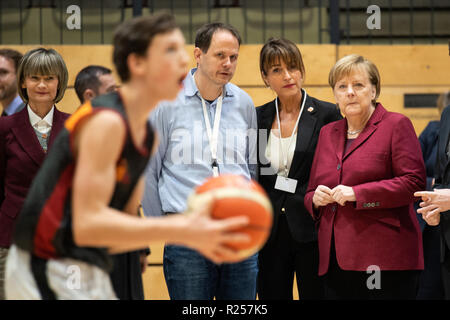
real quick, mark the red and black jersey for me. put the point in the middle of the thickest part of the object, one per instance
(44, 226)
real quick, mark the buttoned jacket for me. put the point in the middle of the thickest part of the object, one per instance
(21, 156)
(315, 115)
(384, 166)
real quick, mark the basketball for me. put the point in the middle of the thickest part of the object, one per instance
(236, 196)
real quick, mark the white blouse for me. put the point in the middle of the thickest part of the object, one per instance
(42, 125)
(276, 147)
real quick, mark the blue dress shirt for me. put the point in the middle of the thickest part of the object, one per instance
(183, 158)
(14, 106)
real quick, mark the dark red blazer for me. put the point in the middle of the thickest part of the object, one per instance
(384, 165)
(21, 156)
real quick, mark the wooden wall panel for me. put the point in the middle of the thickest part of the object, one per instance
(70, 102)
(406, 64)
(403, 68)
(157, 251)
(77, 57)
(392, 97)
(154, 284)
(318, 60)
(399, 65)
(262, 95)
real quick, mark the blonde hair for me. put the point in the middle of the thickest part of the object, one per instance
(43, 62)
(353, 62)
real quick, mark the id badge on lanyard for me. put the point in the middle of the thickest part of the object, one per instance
(284, 183)
(213, 134)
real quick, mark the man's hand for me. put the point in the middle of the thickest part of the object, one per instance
(433, 203)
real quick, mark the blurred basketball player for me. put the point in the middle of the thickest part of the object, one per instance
(83, 203)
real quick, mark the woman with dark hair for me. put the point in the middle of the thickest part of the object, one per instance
(291, 124)
(26, 136)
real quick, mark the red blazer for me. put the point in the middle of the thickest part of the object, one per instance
(384, 165)
(21, 156)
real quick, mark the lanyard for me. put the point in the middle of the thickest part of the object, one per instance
(213, 134)
(285, 156)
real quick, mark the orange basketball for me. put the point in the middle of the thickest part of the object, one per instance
(236, 196)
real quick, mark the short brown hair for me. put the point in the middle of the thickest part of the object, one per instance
(88, 78)
(13, 55)
(42, 61)
(205, 33)
(279, 49)
(348, 64)
(135, 36)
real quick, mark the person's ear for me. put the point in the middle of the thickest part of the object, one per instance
(374, 94)
(88, 94)
(264, 78)
(197, 54)
(136, 64)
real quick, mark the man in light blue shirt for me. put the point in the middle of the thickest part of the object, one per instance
(9, 97)
(209, 130)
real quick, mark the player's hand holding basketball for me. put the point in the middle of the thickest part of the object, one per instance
(241, 216)
(211, 236)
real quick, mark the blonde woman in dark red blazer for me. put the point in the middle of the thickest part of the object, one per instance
(26, 136)
(361, 192)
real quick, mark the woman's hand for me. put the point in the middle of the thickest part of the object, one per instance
(341, 194)
(322, 196)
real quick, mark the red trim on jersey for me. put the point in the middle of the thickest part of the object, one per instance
(51, 216)
(76, 127)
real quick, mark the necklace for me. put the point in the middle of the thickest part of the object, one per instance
(352, 133)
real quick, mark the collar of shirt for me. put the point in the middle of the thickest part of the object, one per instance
(13, 106)
(183, 159)
(190, 88)
(42, 125)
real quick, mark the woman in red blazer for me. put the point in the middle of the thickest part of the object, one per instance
(26, 136)
(361, 192)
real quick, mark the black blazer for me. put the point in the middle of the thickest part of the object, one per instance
(442, 176)
(315, 115)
